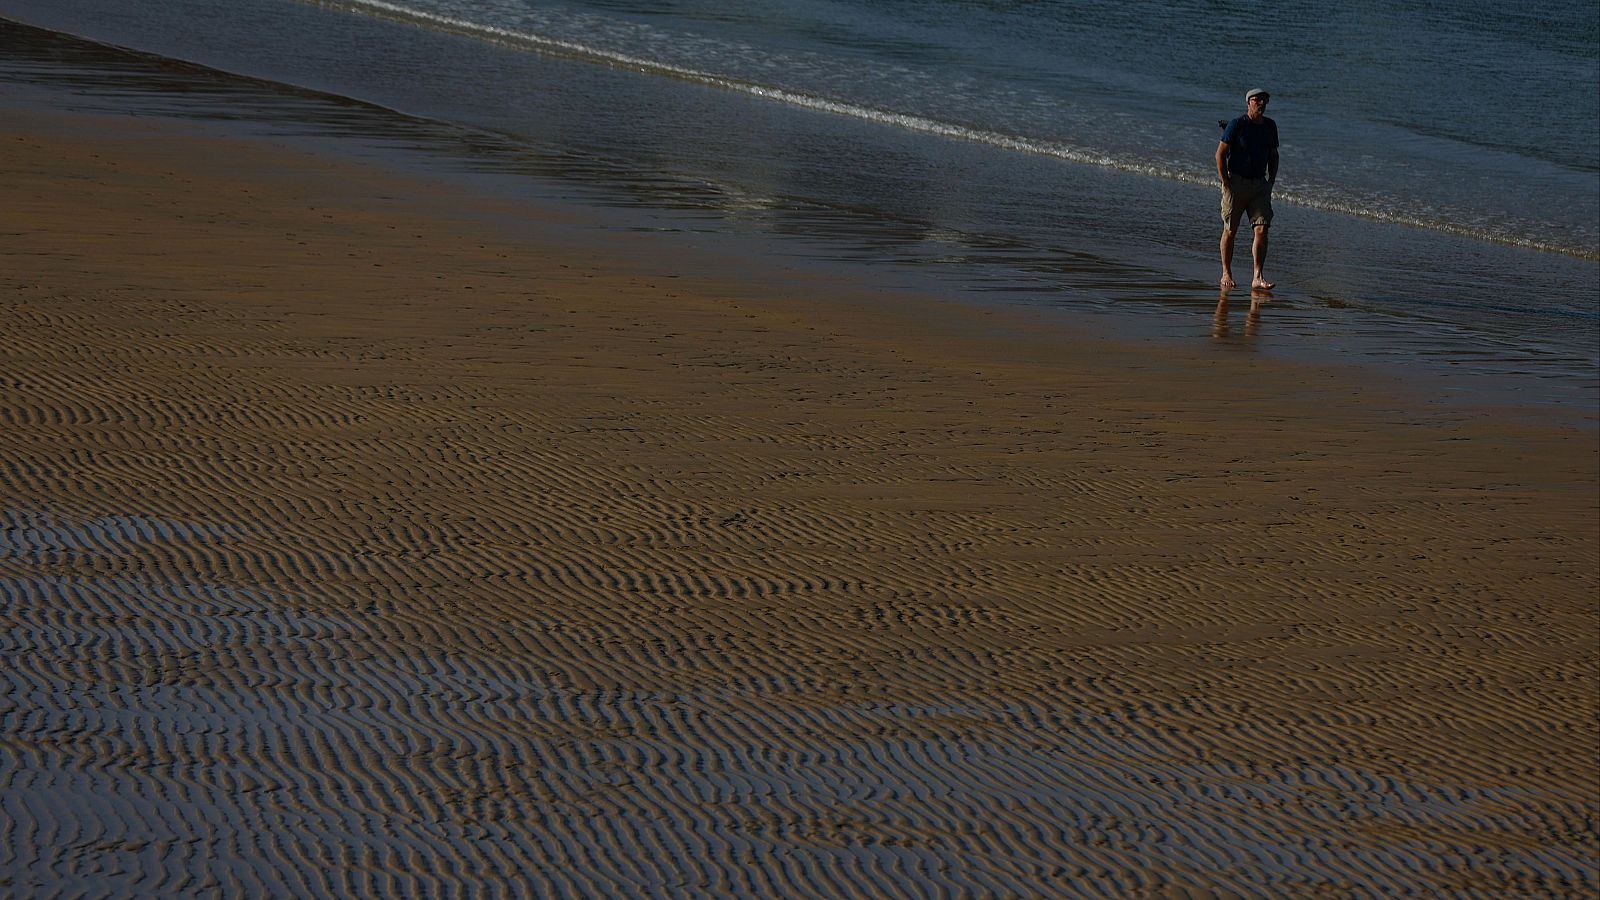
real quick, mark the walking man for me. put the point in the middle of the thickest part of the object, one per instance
(1247, 163)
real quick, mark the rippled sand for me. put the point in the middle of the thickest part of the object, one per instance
(350, 546)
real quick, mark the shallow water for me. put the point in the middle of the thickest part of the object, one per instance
(1055, 155)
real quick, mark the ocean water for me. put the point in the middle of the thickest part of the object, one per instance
(1438, 212)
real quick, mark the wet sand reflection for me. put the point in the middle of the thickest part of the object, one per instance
(1220, 326)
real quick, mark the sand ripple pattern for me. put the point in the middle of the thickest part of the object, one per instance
(542, 595)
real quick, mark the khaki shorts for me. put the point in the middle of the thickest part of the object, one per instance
(1249, 195)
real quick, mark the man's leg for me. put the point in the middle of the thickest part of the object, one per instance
(1258, 255)
(1230, 229)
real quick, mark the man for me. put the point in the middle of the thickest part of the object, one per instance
(1247, 163)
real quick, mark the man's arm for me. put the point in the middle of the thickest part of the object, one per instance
(1272, 164)
(1222, 161)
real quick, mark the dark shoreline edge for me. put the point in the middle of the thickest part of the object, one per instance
(188, 90)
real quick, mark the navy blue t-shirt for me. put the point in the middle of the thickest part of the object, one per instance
(1249, 146)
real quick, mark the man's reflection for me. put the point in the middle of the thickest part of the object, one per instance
(1252, 318)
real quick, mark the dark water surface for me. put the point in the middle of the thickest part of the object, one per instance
(972, 154)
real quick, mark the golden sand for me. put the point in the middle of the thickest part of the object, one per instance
(353, 544)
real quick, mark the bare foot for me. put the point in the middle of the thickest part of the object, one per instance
(1261, 284)
(1227, 280)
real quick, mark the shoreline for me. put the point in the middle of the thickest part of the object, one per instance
(1422, 310)
(352, 542)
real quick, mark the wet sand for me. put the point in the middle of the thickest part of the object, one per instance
(355, 542)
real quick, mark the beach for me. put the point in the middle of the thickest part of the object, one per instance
(356, 542)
